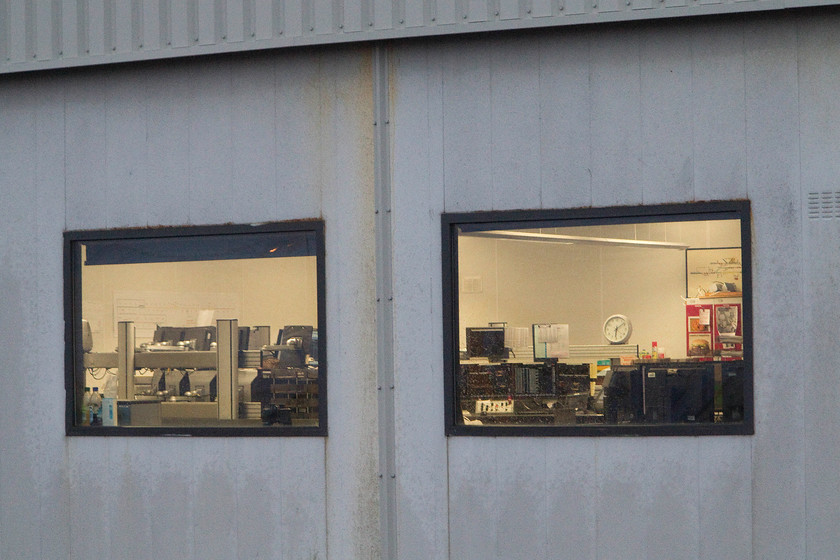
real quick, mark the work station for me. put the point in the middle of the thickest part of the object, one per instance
(584, 323)
(185, 329)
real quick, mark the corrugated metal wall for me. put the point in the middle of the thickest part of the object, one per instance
(661, 113)
(247, 141)
(668, 112)
(40, 34)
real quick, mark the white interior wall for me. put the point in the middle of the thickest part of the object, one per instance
(273, 292)
(524, 282)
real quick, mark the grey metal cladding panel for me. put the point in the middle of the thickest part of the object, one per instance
(43, 34)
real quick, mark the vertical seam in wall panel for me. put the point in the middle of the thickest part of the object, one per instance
(326, 501)
(640, 113)
(64, 153)
(539, 118)
(164, 24)
(595, 508)
(137, 24)
(448, 507)
(57, 31)
(743, 33)
(4, 31)
(190, 113)
(109, 221)
(493, 184)
(83, 35)
(692, 104)
(443, 128)
(30, 31)
(753, 253)
(110, 32)
(803, 246)
(698, 497)
(435, 255)
(275, 129)
(278, 19)
(691, 120)
(589, 131)
(385, 306)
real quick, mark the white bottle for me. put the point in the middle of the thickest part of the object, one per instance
(109, 411)
(95, 408)
(109, 401)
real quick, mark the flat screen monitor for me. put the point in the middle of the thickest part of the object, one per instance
(551, 341)
(168, 335)
(486, 342)
(204, 337)
(297, 340)
(258, 337)
(302, 332)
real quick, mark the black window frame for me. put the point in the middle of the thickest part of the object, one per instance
(524, 219)
(73, 326)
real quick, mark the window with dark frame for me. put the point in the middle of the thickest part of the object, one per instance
(629, 320)
(204, 330)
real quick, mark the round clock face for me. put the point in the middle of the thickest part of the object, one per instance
(617, 329)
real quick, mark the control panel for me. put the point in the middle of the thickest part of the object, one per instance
(494, 406)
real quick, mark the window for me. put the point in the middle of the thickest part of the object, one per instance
(216, 330)
(599, 321)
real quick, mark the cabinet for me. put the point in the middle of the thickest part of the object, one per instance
(714, 328)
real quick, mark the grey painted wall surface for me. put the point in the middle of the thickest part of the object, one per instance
(244, 141)
(676, 111)
(663, 113)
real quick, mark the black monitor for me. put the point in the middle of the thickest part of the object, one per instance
(298, 339)
(303, 332)
(203, 337)
(168, 335)
(486, 342)
(258, 337)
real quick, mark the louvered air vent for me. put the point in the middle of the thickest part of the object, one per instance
(824, 204)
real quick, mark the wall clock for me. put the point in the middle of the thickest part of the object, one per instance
(617, 329)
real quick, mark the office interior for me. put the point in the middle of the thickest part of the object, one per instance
(577, 278)
(169, 317)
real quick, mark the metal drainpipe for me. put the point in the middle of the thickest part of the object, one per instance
(384, 305)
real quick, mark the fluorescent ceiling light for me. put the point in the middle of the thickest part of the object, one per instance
(573, 239)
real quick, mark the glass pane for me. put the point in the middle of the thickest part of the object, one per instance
(600, 323)
(159, 346)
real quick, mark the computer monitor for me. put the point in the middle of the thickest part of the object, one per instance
(168, 335)
(203, 337)
(486, 342)
(298, 340)
(303, 332)
(258, 337)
